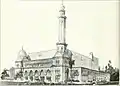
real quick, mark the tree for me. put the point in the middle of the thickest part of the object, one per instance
(4, 74)
(114, 72)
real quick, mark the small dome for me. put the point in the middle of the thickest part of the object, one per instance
(68, 53)
(21, 54)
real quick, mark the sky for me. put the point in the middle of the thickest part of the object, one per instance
(91, 26)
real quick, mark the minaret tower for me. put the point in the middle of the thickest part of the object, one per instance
(63, 55)
(61, 44)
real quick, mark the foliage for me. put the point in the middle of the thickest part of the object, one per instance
(4, 74)
(19, 75)
(114, 72)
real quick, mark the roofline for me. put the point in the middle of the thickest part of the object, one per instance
(83, 55)
(41, 51)
(36, 60)
(94, 70)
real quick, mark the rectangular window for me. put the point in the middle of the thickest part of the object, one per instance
(57, 62)
(57, 78)
(57, 71)
(48, 78)
(57, 75)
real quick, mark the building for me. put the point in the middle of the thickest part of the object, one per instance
(59, 65)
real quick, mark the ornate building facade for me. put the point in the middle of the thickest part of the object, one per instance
(59, 65)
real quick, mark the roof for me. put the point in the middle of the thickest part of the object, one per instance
(42, 54)
(85, 61)
(80, 60)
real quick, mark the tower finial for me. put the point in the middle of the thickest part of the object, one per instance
(62, 2)
(22, 47)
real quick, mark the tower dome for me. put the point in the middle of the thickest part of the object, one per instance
(21, 54)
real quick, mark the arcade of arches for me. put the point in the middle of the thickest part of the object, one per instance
(38, 75)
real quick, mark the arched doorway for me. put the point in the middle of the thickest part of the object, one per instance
(48, 75)
(31, 75)
(36, 74)
(42, 77)
(26, 75)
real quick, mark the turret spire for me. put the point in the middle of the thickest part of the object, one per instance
(62, 25)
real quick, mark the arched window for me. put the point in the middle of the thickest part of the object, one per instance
(36, 72)
(48, 72)
(41, 73)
